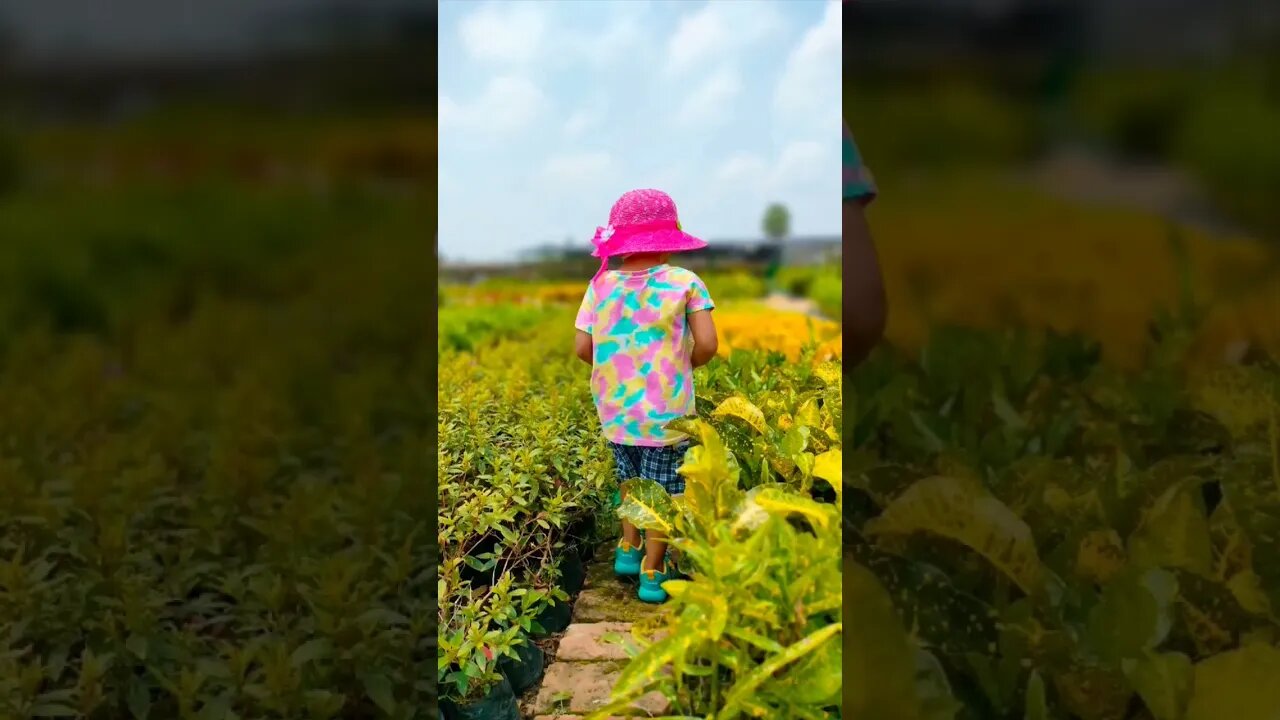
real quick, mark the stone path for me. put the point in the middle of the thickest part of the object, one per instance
(1084, 175)
(593, 650)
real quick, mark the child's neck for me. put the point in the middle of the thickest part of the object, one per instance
(632, 263)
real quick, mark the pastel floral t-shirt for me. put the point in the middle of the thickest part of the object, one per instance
(642, 374)
(858, 183)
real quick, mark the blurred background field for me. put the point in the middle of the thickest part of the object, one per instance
(217, 417)
(1042, 168)
(1082, 257)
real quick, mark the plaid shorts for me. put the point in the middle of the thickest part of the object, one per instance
(658, 464)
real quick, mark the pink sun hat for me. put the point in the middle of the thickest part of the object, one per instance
(641, 221)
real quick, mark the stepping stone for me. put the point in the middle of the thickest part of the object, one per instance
(607, 598)
(578, 688)
(595, 641)
(576, 717)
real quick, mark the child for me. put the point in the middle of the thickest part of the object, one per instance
(864, 300)
(643, 328)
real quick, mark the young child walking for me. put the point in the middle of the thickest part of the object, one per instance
(643, 328)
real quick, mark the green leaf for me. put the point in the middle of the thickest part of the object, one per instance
(647, 506)
(1253, 489)
(52, 710)
(219, 708)
(1100, 555)
(966, 513)
(1210, 613)
(378, 686)
(741, 408)
(1247, 589)
(933, 689)
(935, 612)
(310, 650)
(713, 607)
(1238, 684)
(137, 645)
(1134, 615)
(816, 679)
(139, 698)
(747, 684)
(1007, 414)
(783, 503)
(829, 466)
(711, 490)
(1037, 705)
(1093, 693)
(1175, 532)
(1163, 680)
(880, 682)
(645, 667)
(795, 441)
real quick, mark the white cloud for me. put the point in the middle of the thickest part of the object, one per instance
(709, 103)
(508, 103)
(743, 170)
(580, 122)
(800, 161)
(510, 34)
(801, 164)
(620, 39)
(810, 84)
(716, 30)
(578, 169)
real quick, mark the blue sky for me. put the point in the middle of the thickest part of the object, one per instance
(551, 110)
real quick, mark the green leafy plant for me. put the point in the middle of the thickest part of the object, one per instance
(756, 627)
(1066, 540)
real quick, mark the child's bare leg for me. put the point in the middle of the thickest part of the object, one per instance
(630, 534)
(655, 548)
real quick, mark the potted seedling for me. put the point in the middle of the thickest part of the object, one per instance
(515, 607)
(554, 613)
(472, 686)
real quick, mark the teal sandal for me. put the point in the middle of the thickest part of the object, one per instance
(651, 584)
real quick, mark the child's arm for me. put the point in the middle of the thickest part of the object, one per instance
(864, 300)
(705, 342)
(586, 320)
(582, 347)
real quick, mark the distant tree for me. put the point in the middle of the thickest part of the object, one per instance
(777, 222)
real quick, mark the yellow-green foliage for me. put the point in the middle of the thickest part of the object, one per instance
(213, 456)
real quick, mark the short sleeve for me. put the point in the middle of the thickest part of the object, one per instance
(858, 183)
(587, 311)
(698, 297)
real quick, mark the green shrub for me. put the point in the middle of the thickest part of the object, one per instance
(947, 126)
(224, 513)
(734, 285)
(467, 328)
(1228, 142)
(1137, 113)
(827, 292)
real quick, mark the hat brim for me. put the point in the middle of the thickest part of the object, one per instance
(658, 241)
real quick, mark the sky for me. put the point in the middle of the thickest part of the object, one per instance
(549, 111)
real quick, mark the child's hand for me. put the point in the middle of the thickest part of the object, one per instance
(582, 347)
(705, 343)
